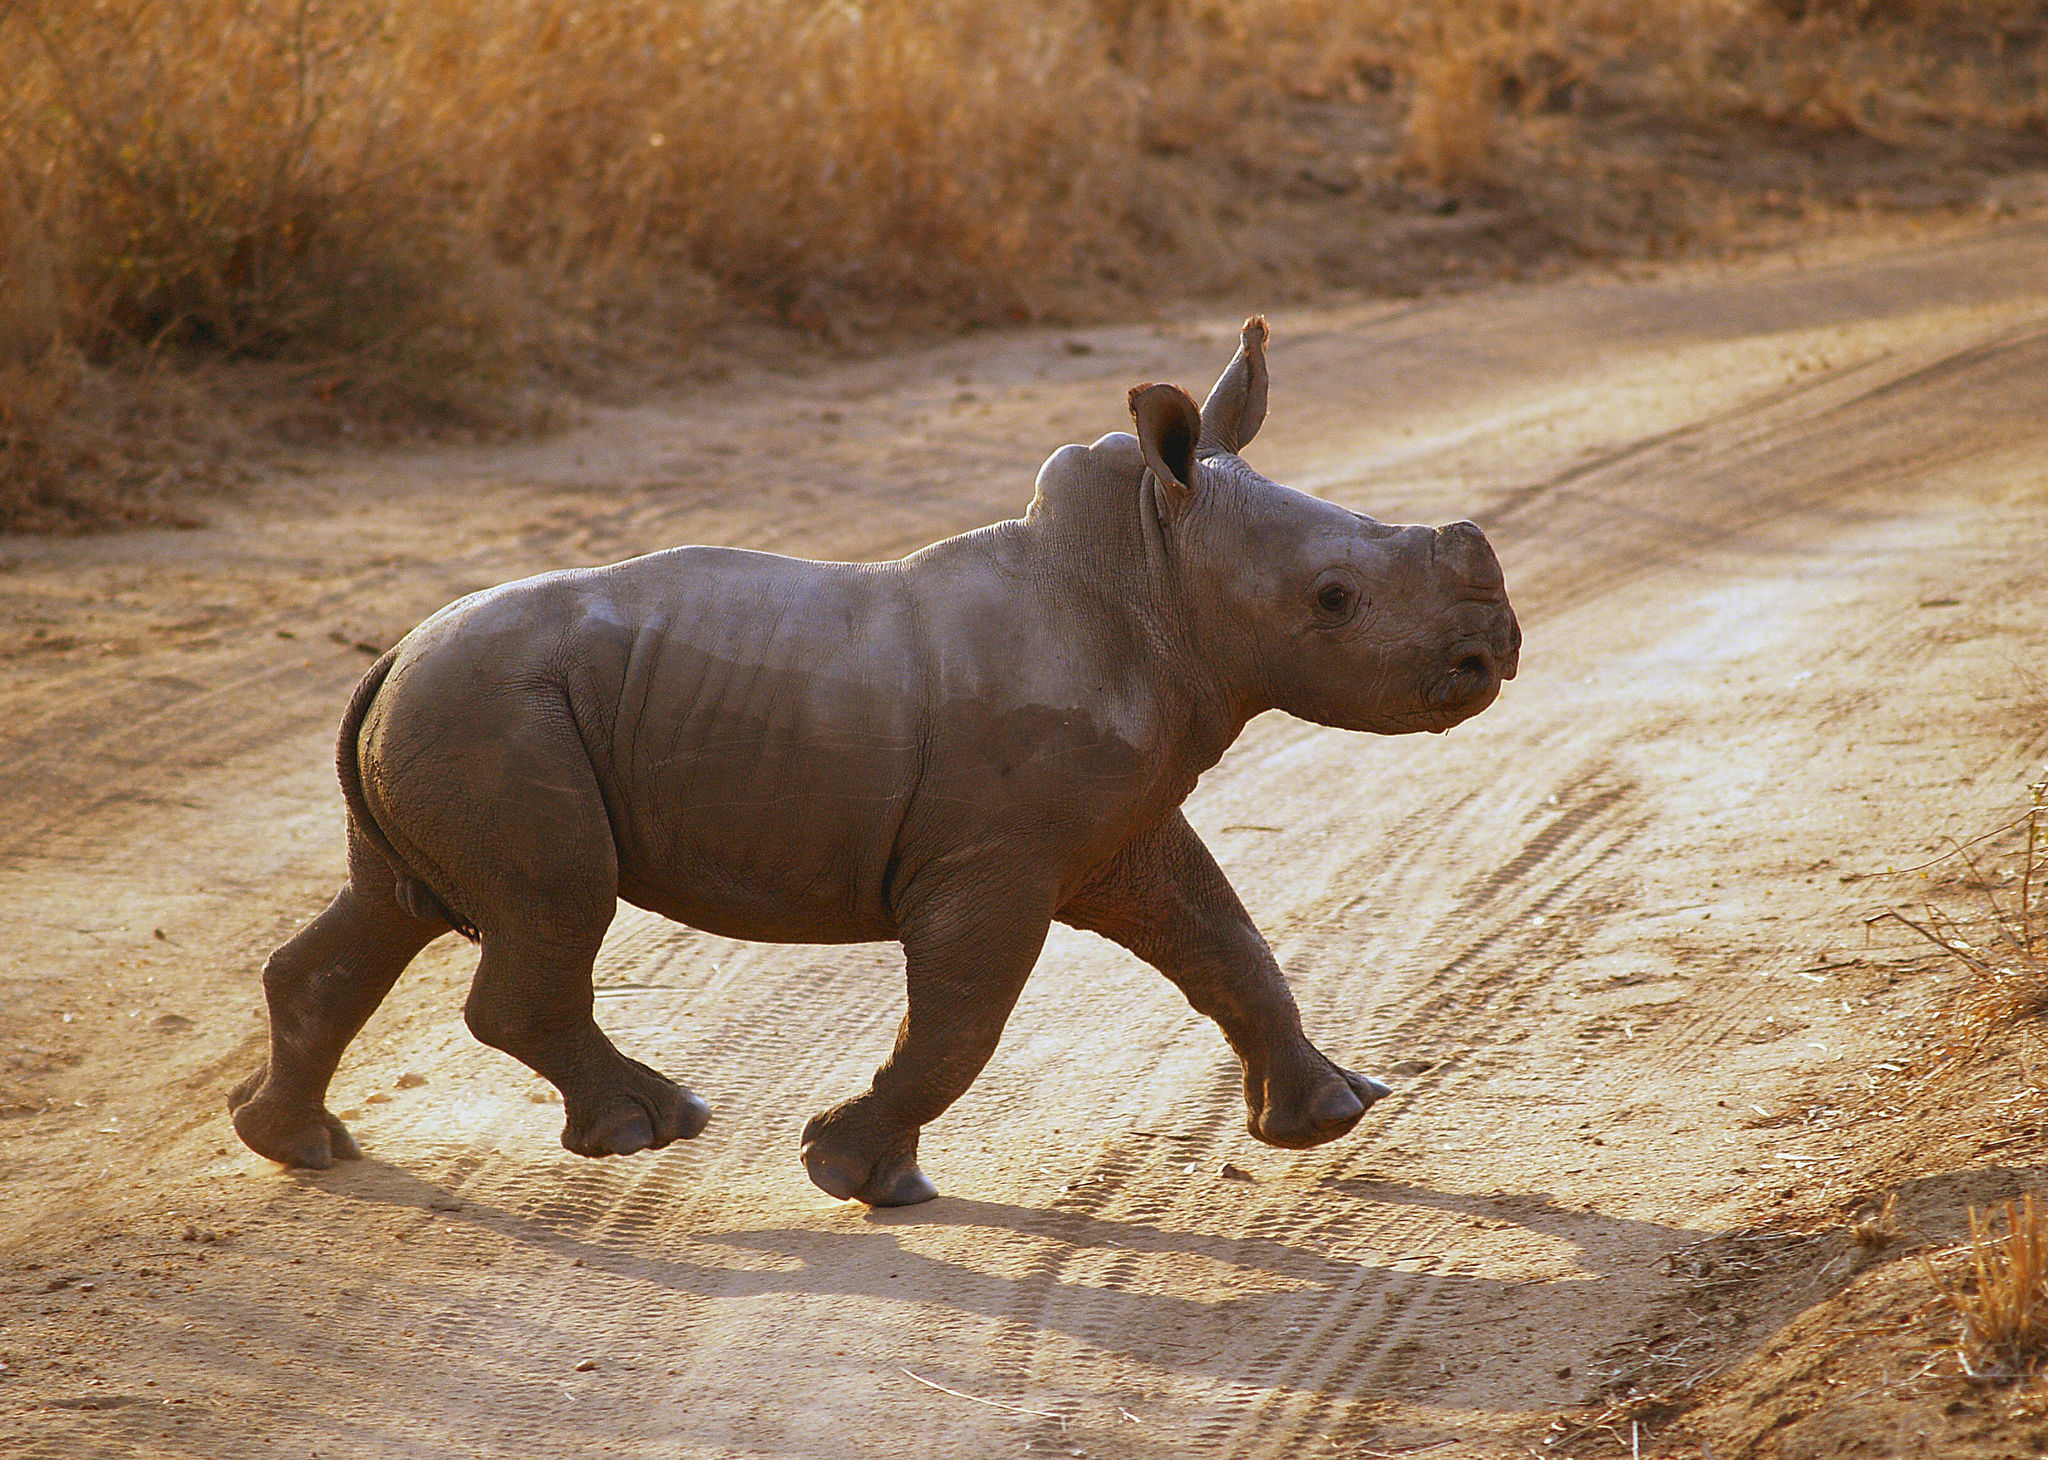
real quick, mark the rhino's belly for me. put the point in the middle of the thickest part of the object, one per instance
(775, 837)
(789, 862)
(757, 914)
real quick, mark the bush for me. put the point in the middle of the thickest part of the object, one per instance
(405, 205)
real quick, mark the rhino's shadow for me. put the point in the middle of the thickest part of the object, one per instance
(1269, 1282)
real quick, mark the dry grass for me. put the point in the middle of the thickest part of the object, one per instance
(314, 179)
(2002, 1303)
(401, 210)
(398, 210)
(83, 449)
(2005, 947)
(1880, 1229)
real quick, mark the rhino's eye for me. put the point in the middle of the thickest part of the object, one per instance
(1333, 601)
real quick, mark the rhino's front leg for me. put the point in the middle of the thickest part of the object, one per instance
(1164, 898)
(966, 957)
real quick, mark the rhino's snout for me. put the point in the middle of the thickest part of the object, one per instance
(1509, 660)
(1474, 675)
(1477, 663)
(1475, 668)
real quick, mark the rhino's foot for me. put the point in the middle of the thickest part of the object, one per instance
(292, 1134)
(1319, 1109)
(641, 1110)
(838, 1164)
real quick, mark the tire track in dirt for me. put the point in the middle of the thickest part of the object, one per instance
(1826, 452)
(1374, 1311)
(1070, 1294)
(618, 1217)
(705, 1016)
(1372, 1316)
(755, 1054)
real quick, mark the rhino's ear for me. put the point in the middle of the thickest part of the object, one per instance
(1169, 427)
(1231, 416)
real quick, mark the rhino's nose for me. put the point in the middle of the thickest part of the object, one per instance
(1462, 549)
(1480, 662)
(1498, 651)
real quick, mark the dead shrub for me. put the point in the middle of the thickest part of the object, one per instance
(85, 447)
(2002, 1300)
(1451, 126)
(251, 194)
(335, 178)
(2008, 959)
(411, 211)
(35, 463)
(477, 180)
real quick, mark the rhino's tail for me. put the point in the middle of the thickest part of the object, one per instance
(413, 893)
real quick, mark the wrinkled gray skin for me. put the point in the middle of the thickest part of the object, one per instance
(950, 751)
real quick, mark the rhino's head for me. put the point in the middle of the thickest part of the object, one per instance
(1321, 612)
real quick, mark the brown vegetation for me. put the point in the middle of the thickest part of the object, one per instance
(2002, 1304)
(2003, 946)
(403, 211)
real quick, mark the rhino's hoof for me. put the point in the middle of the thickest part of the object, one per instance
(289, 1137)
(696, 1114)
(631, 1131)
(647, 1120)
(1330, 1109)
(894, 1181)
(905, 1186)
(1368, 1089)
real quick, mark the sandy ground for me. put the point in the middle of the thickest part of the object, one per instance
(1776, 536)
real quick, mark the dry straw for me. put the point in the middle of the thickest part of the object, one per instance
(2003, 1305)
(2008, 960)
(1880, 1229)
(402, 205)
(375, 177)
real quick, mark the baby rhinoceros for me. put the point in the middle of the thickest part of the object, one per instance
(950, 751)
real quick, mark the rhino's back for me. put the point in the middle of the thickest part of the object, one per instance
(752, 722)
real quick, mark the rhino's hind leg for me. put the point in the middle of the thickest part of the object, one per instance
(506, 809)
(532, 999)
(321, 987)
(965, 970)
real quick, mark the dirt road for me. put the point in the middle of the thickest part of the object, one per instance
(1776, 536)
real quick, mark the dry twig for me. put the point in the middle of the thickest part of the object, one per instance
(1059, 1419)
